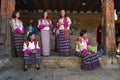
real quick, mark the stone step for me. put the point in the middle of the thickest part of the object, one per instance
(62, 62)
(52, 62)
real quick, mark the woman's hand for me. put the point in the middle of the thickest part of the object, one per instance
(46, 25)
(34, 51)
(86, 39)
(61, 23)
(22, 32)
(89, 53)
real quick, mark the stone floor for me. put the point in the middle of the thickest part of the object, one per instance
(16, 73)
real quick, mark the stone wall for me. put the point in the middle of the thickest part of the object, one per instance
(79, 21)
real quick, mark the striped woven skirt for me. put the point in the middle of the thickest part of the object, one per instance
(89, 61)
(63, 44)
(32, 58)
(45, 39)
(56, 44)
(17, 41)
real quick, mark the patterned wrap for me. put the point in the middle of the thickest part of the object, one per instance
(89, 61)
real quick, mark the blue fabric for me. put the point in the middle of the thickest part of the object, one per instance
(100, 52)
(32, 29)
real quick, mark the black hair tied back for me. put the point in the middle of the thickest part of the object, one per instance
(30, 34)
(82, 32)
(14, 13)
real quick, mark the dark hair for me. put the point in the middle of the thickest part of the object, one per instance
(60, 13)
(30, 34)
(82, 32)
(43, 13)
(14, 14)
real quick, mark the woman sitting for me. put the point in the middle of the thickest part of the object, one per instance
(31, 52)
(90, 59)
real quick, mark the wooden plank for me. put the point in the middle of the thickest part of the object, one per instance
(7, 7)
(108, 35)
(110, 27)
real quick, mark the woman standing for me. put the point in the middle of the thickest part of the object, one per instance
(17, 33)
(31, 52)
(63, 26)
(45, 24)
(89, 58)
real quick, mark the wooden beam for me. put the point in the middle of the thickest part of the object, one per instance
(31, 4)
(37, 4)
(25, 4)
(19, 6)
(82, 7)
(58, 5)
(89, 4)
(51, 5)
(69, 5)
(73, 5)
(42, 6)
(109, 30)
(46, 4)
(61, 2)
(66, 2)
(95, 6)
(54, 4)
(7, 7)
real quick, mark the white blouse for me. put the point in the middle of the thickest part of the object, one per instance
(31, 45)
(62, 26)
(81, 46)
(44, 22)
(16, 23)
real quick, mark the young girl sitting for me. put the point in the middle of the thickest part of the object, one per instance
(31, 52)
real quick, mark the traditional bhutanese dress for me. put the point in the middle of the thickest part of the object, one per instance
(89, 61)
(29, 57)
(63, 36)
(17, 37)
(55, 33)
(45, 35)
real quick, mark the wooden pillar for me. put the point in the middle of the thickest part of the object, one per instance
(108, 23)
(7, 7)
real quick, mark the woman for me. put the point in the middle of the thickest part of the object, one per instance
(31, 52)
(17, 33)
(89, 58)
(45, 24)
(99, 37)
(63, 26)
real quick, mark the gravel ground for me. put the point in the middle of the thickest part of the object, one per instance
(15, 73)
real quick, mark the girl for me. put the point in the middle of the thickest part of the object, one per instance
(31, 52)
(17, 33)
(63, 26)
(45, 24)
(89, 58)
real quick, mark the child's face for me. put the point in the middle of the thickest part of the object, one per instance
(32, 37)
